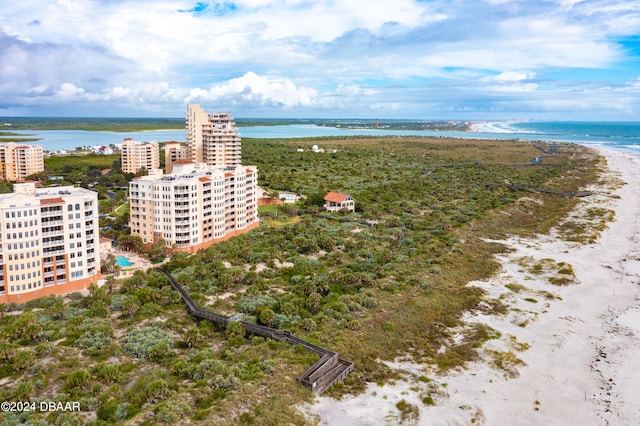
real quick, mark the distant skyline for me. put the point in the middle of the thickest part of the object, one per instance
(431, 59)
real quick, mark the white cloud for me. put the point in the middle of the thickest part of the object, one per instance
(256, 90)
(38, 89)
(514, 88)
(353, 90)
(509, 76)
(69, 90)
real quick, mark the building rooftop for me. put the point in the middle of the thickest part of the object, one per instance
(335, 197)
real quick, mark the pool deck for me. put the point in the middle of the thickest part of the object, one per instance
(139, 263)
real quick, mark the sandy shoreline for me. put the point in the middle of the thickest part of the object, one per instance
(572, 350)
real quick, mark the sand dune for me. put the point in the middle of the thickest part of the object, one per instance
(566, 355)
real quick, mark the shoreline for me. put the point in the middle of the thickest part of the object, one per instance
(564, 355)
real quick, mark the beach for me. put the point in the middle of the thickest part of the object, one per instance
(563, 354)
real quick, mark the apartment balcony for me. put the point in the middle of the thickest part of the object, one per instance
(53, 252)
(53, 243)
(53, 213)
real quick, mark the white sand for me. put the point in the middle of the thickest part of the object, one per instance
(580, 350)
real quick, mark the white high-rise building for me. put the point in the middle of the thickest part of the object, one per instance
(49, 241)
(212, 138)
(195, 206)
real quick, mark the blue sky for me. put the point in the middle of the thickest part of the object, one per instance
(429, 59)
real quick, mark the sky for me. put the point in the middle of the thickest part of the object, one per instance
(402, 59)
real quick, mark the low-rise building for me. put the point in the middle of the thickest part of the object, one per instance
(48, 241)
(195, 206)
(335, 201)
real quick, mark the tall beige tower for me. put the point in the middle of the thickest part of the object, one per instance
(212, 137)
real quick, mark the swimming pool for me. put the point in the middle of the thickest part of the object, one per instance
(123, 261)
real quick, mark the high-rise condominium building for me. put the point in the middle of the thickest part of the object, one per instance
(48, 241)
(195, 206)
(19, 161)
(136, 156)
(212, 138)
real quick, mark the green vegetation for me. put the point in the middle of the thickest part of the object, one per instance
(6, 137)
(387, 280)
(94, 124)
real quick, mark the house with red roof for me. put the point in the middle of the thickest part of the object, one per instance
(335, 201)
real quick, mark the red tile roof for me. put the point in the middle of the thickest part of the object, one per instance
(204, 179)
(52, 201)
(335, 197)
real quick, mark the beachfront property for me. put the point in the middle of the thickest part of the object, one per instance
(136, 155)
(335, 201)
(174, 151)
(48, 241)
(195, 206)
(212, 138)
(19, 161)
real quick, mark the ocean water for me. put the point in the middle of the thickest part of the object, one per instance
(619, 135)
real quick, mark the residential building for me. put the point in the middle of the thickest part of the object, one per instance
(212, 138)
(19, 161)
(139, 155)
(174, 151)
(48, 241)
(335, 201)
(195, 206)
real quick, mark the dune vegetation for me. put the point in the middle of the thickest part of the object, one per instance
(386, 281)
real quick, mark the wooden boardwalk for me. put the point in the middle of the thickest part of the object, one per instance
(324, 373)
